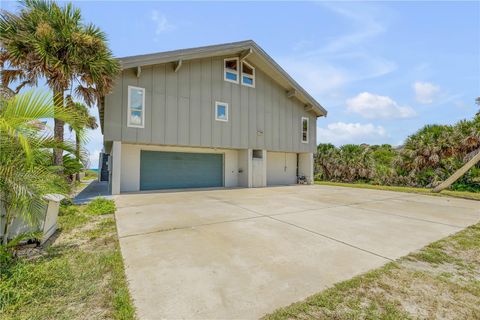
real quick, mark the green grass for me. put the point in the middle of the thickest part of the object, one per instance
(442, 279)
(100, 206)
(91, 174)
(425, 191)
(80, 276)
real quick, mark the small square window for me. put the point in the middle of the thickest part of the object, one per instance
(248, 75)
(230, 70)
(221, 111)
(304, 130)
(136, 107)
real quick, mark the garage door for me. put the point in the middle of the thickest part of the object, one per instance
(281, 168)
(171, 170)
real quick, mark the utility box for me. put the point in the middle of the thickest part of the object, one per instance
(46, 223)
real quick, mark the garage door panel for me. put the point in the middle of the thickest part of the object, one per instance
(171, 170)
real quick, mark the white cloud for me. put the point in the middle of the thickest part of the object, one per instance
(365, 26)
(372, 106)
(316, 77)
(425, 92)
(340, 133)
(324, 66)
(161, 22)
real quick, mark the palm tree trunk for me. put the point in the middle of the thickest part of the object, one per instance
(459, 173)
(58, 129)
(77, 151)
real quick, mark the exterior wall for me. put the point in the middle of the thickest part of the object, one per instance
(117, 167)
(180, 110)
(305, 166)
(130, 172)
(281, 168)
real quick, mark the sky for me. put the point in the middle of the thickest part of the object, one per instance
(381, 69)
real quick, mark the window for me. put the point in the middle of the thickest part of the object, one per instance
(230, 70)
(136, 107)
(221, 111)
(248, 75)
(304, 130)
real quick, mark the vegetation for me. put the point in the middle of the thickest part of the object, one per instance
(403, 289)
(425, 191)
(100, 206)
(80, 276)
(91, 174)
(48, 41)
(427, 158)
(26, 174)
(85, 121)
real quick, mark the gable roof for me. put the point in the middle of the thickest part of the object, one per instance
(249, 48)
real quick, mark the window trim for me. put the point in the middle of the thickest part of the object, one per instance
(237, 72)
(253, 75)
(308, 129)
(217, 103)
(129, 109)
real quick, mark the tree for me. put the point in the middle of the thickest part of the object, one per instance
(469, 132)
(25, 162)
(84, 121)
(45, 40)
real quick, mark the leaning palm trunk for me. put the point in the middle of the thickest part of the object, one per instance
(459, 173)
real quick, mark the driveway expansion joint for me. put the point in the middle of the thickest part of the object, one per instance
(311, 231)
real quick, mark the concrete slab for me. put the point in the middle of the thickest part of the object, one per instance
(412, 208)
(241, 253)
(183, 213)
(386, 235)
(235, 270)
(94, 189)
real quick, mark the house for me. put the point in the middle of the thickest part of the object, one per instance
(217, 116)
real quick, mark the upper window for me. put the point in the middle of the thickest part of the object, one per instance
(304, 130)
(248, 75)
(230, 70)
(136, 107)
(221, 111)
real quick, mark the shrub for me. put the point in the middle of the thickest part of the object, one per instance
(100, 206)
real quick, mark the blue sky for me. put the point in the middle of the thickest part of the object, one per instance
(381, 69)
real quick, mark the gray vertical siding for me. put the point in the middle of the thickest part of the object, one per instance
(180, 110)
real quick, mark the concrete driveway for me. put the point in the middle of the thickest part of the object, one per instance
(241, 253)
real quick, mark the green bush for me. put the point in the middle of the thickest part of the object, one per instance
(100, 206)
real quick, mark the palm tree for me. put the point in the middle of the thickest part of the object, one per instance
(45, 40)
(469, 142)
(25, 162)
(84, 121)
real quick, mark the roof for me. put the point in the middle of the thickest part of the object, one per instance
(256, 55)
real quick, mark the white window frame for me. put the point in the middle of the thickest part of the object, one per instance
(301, 128)
(129, 109)
(225, 69)
(253, 75)
(217, 103)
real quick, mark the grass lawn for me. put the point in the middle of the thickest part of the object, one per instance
(441, 281)
(447, 193)
(79, 276)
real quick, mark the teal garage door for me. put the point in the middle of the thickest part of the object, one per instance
(172, 170)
